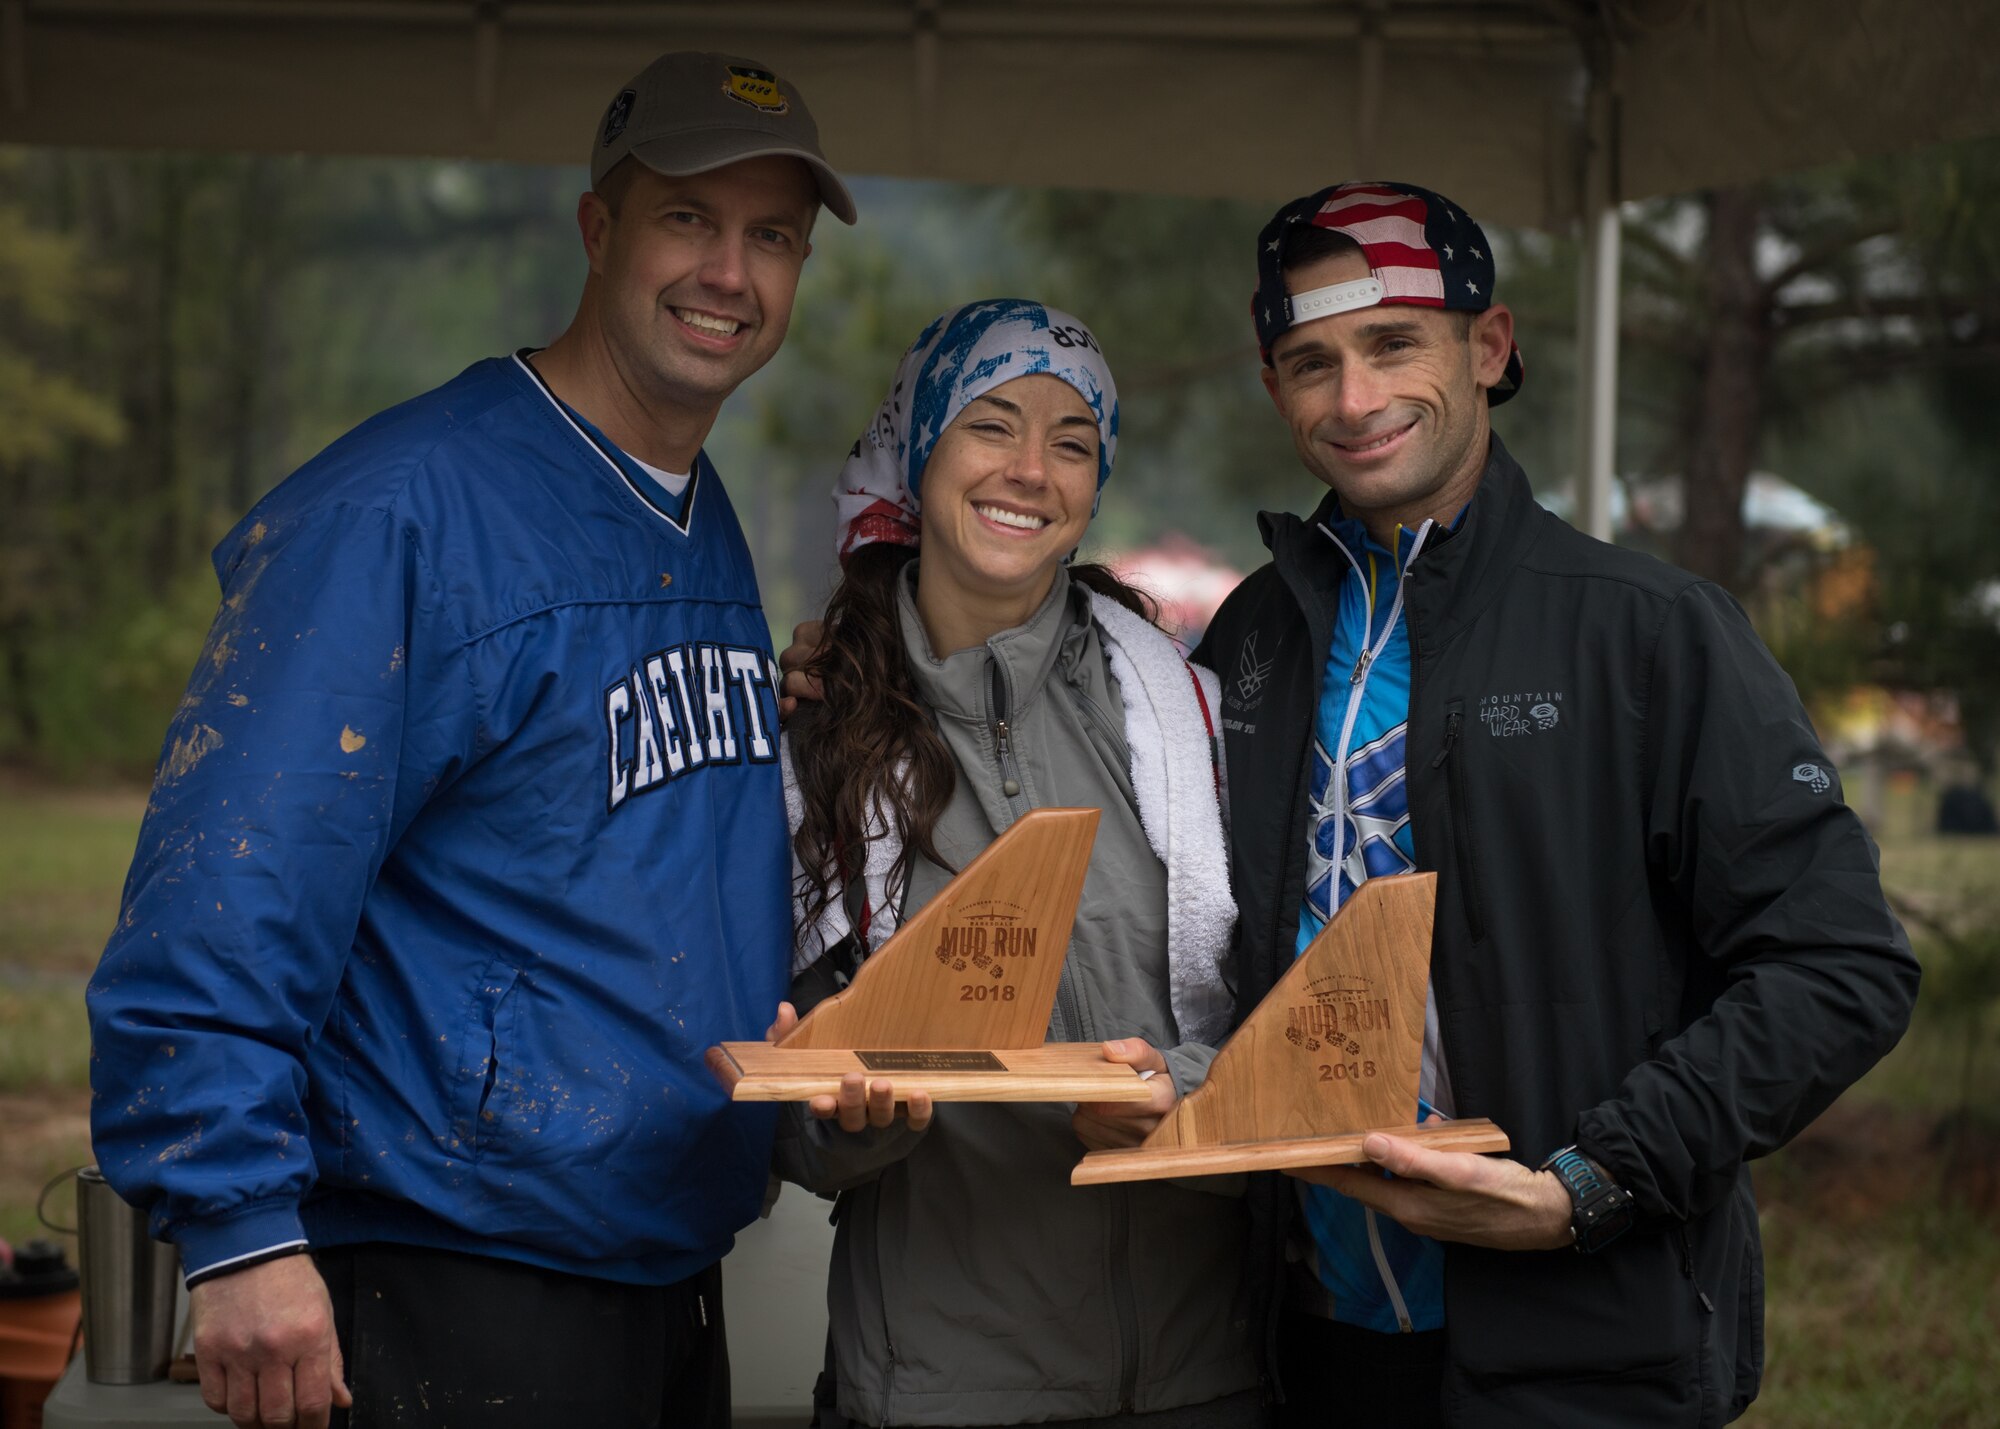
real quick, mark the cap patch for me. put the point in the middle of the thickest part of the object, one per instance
(619, 114)
(757, 88)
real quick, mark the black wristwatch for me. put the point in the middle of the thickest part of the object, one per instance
(1600, 1210)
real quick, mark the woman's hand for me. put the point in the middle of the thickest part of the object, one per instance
(1112, 1126)
(874, 1104)
(859, 1103)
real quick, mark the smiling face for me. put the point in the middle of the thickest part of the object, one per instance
(696, 275)
(1387, 405)
(1006, 495)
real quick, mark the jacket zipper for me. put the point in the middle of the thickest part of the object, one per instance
(1357, 683)
(1687, 1269)
(1069, 1013)
(1461, 830)
(1128, 1314)
(1069, 1008)
(1357, 691)
(888, 1340)
(1002, 745)
(1375, 1248)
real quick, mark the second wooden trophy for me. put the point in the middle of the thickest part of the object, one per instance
(1330, 1055)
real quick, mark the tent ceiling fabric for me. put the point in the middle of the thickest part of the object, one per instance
(1482, 99)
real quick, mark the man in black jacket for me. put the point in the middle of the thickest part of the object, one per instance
(1661, 944)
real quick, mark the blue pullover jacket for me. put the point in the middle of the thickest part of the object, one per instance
(428, 928)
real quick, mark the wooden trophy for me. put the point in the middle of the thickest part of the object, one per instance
(1331, 1055)
(957, 1002)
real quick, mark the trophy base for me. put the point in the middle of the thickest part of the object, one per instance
(1153, 1164)
(1053, 1072)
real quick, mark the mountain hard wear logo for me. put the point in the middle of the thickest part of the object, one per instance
(757, 88)
(1813, 777)
(1532, 712)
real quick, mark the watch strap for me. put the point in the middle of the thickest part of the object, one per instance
(1601, 1210)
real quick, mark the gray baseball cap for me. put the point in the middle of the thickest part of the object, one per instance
(688, 112)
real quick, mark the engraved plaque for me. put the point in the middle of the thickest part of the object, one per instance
(930, 1061)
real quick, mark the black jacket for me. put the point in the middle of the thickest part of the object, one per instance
(1660, 932)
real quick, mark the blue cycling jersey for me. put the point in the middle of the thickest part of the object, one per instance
(1380, 1276)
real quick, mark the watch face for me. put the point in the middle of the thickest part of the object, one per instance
(1607, 1216)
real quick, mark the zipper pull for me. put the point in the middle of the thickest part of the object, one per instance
(1361, 666)
(1450, 738)
(1687, 1269)
(1008, 786)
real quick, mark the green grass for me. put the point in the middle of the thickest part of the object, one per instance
(1886, 1323)
(43, 1137)
(44, 1040)
(1950, 890)
(1946, 866)
(1947, 1060)
(63, 858)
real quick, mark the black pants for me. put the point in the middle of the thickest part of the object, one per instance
(434, 1338)
(1342, 1374)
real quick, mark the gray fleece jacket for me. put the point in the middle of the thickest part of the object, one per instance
(971, 1283)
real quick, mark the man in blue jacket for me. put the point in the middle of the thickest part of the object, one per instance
(427, 930)
(1661, 945)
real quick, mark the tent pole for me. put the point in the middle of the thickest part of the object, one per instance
(1597, 320)
(486, 70)
(925, 46)
(1368, 93)
(14, 53)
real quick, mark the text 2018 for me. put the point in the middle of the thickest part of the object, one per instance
(1345, 1071)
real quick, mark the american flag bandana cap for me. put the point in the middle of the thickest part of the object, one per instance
(1422, 248)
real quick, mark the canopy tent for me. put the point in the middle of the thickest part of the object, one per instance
(1534, 112)
(1248, 98)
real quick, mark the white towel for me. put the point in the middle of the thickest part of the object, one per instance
(1175, 779)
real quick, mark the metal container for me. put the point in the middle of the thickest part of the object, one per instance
(128, 1287)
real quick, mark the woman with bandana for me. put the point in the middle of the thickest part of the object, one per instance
(971, 674)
